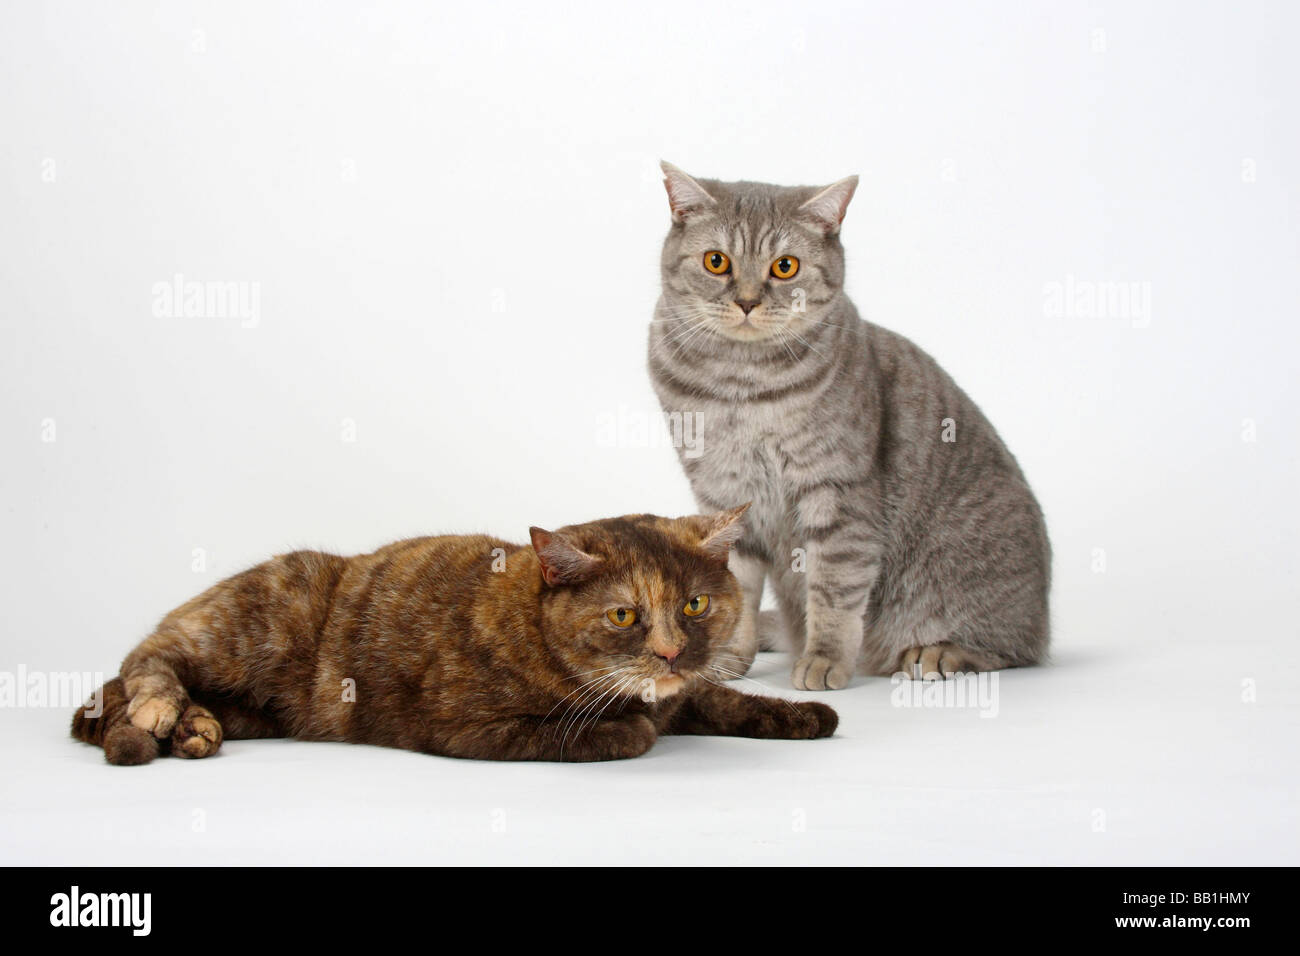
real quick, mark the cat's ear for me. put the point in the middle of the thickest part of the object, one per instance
(718, 532)
(685, 196)
(827, 208)
(562, 561)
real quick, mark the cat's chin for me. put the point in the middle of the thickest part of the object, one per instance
(669, 685)
(747, 332)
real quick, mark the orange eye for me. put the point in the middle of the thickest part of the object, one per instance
(696, 605)
(717, 263)
(621, 616)
(785, 267)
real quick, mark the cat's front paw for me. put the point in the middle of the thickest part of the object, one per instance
(612, 739)
(158, 715)
(818, 672)
(818, 719)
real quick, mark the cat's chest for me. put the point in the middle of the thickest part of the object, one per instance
(740, 458)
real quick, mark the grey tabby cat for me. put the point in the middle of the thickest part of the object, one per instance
(895, 527)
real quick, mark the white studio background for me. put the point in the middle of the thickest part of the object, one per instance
(451, 216)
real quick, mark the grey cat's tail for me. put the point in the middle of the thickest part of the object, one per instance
(102, 721)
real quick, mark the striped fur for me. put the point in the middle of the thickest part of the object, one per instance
(887, 514)
(464, 646)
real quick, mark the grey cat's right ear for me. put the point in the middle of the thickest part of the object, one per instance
(828, 207)
(685, 196)
(562, 561)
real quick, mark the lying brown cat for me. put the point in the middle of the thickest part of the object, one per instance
(586, 646)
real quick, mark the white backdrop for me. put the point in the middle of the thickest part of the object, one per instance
(448, 219)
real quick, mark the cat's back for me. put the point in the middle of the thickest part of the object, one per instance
(405, 624)
(437, 568)
(930, 424)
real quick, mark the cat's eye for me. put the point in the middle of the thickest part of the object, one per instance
(785, 267)
(696, 605)
(717, 263)
(621, 616)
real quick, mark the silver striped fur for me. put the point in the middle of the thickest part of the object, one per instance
(895, 528)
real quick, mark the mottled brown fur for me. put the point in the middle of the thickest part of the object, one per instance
(461, 646)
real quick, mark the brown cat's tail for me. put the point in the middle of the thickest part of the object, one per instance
(102, 721)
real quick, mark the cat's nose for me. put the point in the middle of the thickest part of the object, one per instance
(746, 305)
(671, 659)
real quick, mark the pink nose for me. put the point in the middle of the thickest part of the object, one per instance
(670, 658)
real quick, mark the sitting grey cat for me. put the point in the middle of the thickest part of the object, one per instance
(893, 523)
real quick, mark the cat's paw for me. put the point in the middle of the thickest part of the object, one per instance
(818, 719)
(818, 672)
(197, 733)
(612, 739)
(634, 736)
(158, 715)
(938, 661)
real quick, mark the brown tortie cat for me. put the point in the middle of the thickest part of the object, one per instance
(585, 646)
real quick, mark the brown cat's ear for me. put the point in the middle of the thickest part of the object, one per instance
(828, 207)
(562, 562)
(685, 195)
(718, 532)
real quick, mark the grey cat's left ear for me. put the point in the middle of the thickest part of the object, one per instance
(685, 195)
(828, 207)
(718, 532)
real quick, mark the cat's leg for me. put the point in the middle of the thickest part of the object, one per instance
(772, 632)
(535, 738)
(725, 712)
(962, 653)
(925, 645)
(972, 602)
(789, 625)
(842, 572)
(751, 571)
(157, 696)
(969, 627)
(240, 719)
(194, 732)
